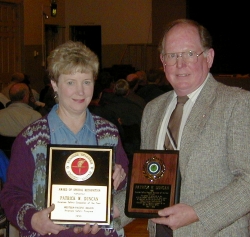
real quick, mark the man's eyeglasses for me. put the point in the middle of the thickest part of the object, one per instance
(170, 59)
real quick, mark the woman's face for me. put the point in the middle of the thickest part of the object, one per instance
(75, 92)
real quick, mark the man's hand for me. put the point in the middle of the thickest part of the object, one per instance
(176, 216)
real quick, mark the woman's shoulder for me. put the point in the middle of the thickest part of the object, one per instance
(36, 129)
(103, 125)
(107, 133)
(100, 121)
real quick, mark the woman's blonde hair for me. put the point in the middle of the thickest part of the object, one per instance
(72, 57)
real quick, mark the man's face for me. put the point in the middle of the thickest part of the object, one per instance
(186, 77)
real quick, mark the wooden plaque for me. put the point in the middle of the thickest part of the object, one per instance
(153, 183)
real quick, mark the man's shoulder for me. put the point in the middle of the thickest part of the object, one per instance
(24, 110)
(162, 98)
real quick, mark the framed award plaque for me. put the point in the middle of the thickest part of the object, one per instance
(79, 183)
(153, 183)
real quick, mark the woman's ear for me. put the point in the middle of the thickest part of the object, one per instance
(54, 85)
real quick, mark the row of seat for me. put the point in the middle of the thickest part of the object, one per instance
(5, 145)
(4, 223)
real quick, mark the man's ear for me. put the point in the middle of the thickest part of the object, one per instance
(210, 57)
(162, 61)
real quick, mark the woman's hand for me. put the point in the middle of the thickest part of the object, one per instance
(87, 229)
(41, 223)
(118, 176)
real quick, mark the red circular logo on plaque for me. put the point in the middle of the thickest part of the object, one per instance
(79, 166)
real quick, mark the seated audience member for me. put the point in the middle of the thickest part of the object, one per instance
(162, 81)
(152, 89)
(49, 100)
(34, 95)
(129, 114)
(4, 163)
(1, 106)
(106, 80)
(16, 77)
(3, 99)
(100, 110)
(143, 81)
(105, 83)
(133, 81)
(128, 111)
(18, 114)
(45, 89)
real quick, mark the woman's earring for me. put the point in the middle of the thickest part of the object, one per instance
(55, 95)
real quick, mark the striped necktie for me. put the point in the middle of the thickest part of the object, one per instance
(174, 123)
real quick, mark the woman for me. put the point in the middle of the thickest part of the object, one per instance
(73, 69)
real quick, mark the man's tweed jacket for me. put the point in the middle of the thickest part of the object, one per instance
(214, 159)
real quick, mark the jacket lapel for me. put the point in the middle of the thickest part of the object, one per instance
(196, 121)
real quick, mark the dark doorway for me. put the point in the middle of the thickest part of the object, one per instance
(90, 36)
(54, 36)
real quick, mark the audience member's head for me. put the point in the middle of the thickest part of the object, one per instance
(121, 87)
(19, 92)
(155, 76)
(142, 77)
(105, 79)
(132, 80)
(17, 77)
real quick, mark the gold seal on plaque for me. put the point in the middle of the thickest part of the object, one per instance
(154, 168)
(79, 166)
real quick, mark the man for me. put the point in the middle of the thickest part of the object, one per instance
(213, 144)
(133, 81)
(152, 89)
(4, 100)
(16, 77)
(18, 114)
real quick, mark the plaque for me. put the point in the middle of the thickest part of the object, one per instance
(153, 183)
(79, 183)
